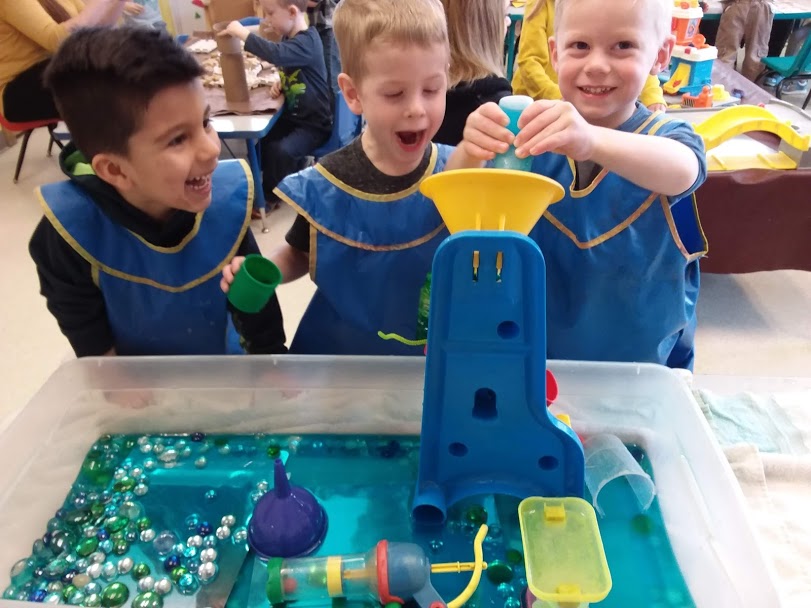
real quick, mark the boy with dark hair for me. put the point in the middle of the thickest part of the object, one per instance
(131, 247)
(307, 119)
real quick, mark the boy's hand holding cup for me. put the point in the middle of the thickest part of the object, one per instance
(250, 282)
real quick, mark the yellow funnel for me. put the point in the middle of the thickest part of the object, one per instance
(491, 199)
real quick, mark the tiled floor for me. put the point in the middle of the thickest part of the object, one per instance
(757, 324)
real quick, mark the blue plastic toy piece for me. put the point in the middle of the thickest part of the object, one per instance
(485, 426)
(513, 106)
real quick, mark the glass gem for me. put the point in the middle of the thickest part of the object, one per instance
(147, 599)
(177, 573)
(274, 450)
(642, 524)
(207, 572)
(204, 528)
(164, 542)
(499, 572)
(120, 547)
(91, 588)
(223, 532)
(146, 584)
(240, 535)
(476, 515)
(228, 520)
(163, 585)
(116, 523)
(201, 462)
(187, 584)
(208, 554)
(125, 484)
(80, 580)
(94, 570)
(109, 571)
(512, 602)
(148, 535)
(143, 523)
(140, 570)
(125, 565)
(115, 595)
(171, 562)
(514, 557)
(87, 546)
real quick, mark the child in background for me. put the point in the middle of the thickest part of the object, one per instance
(144, 13)
(307, 119)
(364, 231)
(535, 75)
(476, 30)
(622, 247)
(319, 14)
(132, 245)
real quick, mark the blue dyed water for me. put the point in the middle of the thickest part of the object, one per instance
(189, 486)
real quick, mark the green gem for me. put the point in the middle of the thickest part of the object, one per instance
(177, 573)
(99, 472)
(147, 599)
(143, 523)
(116, 523)
(140, 571)
(77, 517)
(120, 547)
(97, 509)
(514, 557)
(92, 600)
(274, 450)
(476, 515)
(86, 546)
(68, 591)
(220, 442)
(642, 524)
(114, 595)
(499, 572)
(125, 484)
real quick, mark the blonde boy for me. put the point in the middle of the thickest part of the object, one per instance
(622, 247)
(364, 232)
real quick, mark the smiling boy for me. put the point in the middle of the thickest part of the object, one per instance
(131, 247)
(622, 247)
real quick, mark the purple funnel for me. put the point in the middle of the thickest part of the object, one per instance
(288, 521)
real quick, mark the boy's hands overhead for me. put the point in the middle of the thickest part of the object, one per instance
(132, 9)
(237, 30)
(554, 126)
(229, 271)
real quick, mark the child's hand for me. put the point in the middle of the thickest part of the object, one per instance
(229, 271)
(554, 126)
(657, 107)
(485, 133)
(237, 30)
(132, 9)
(275, 90)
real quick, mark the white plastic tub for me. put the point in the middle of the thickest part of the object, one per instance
(44, 445)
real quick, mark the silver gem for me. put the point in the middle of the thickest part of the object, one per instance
(98, 557)
(137, 472)
(94, 570)
(186, 452)
(159, 447)
(195, 541)
(53, 598)
(109, 571)
(180, 444)
(90, 531)
(228, 520)
(146, 584)
(54, 586)
(125, 565)
(223, 532)
(92, 589)
(141, 489)
(163, 585)
(208, 555)
(262, 486)
(225, 449)
(82, 564)
(143, 440)
(201, 462)
(150, 464)
(207, 572)
(169, 455)
(148, 535)
(146, 448)
(240, 535)
(119, 474)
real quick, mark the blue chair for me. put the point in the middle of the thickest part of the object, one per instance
(346, 126)
(795, 67)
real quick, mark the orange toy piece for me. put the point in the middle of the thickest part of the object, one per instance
(702, 100)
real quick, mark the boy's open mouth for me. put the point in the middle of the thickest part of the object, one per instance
(596, 90)
(411, 140)
(199, 184)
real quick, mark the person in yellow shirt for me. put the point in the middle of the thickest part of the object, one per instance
(535, 75)
(30, 32)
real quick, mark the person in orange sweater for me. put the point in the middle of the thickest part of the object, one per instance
(535, 75)
(30, 32)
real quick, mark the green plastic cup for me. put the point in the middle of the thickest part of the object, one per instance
(254, 283)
